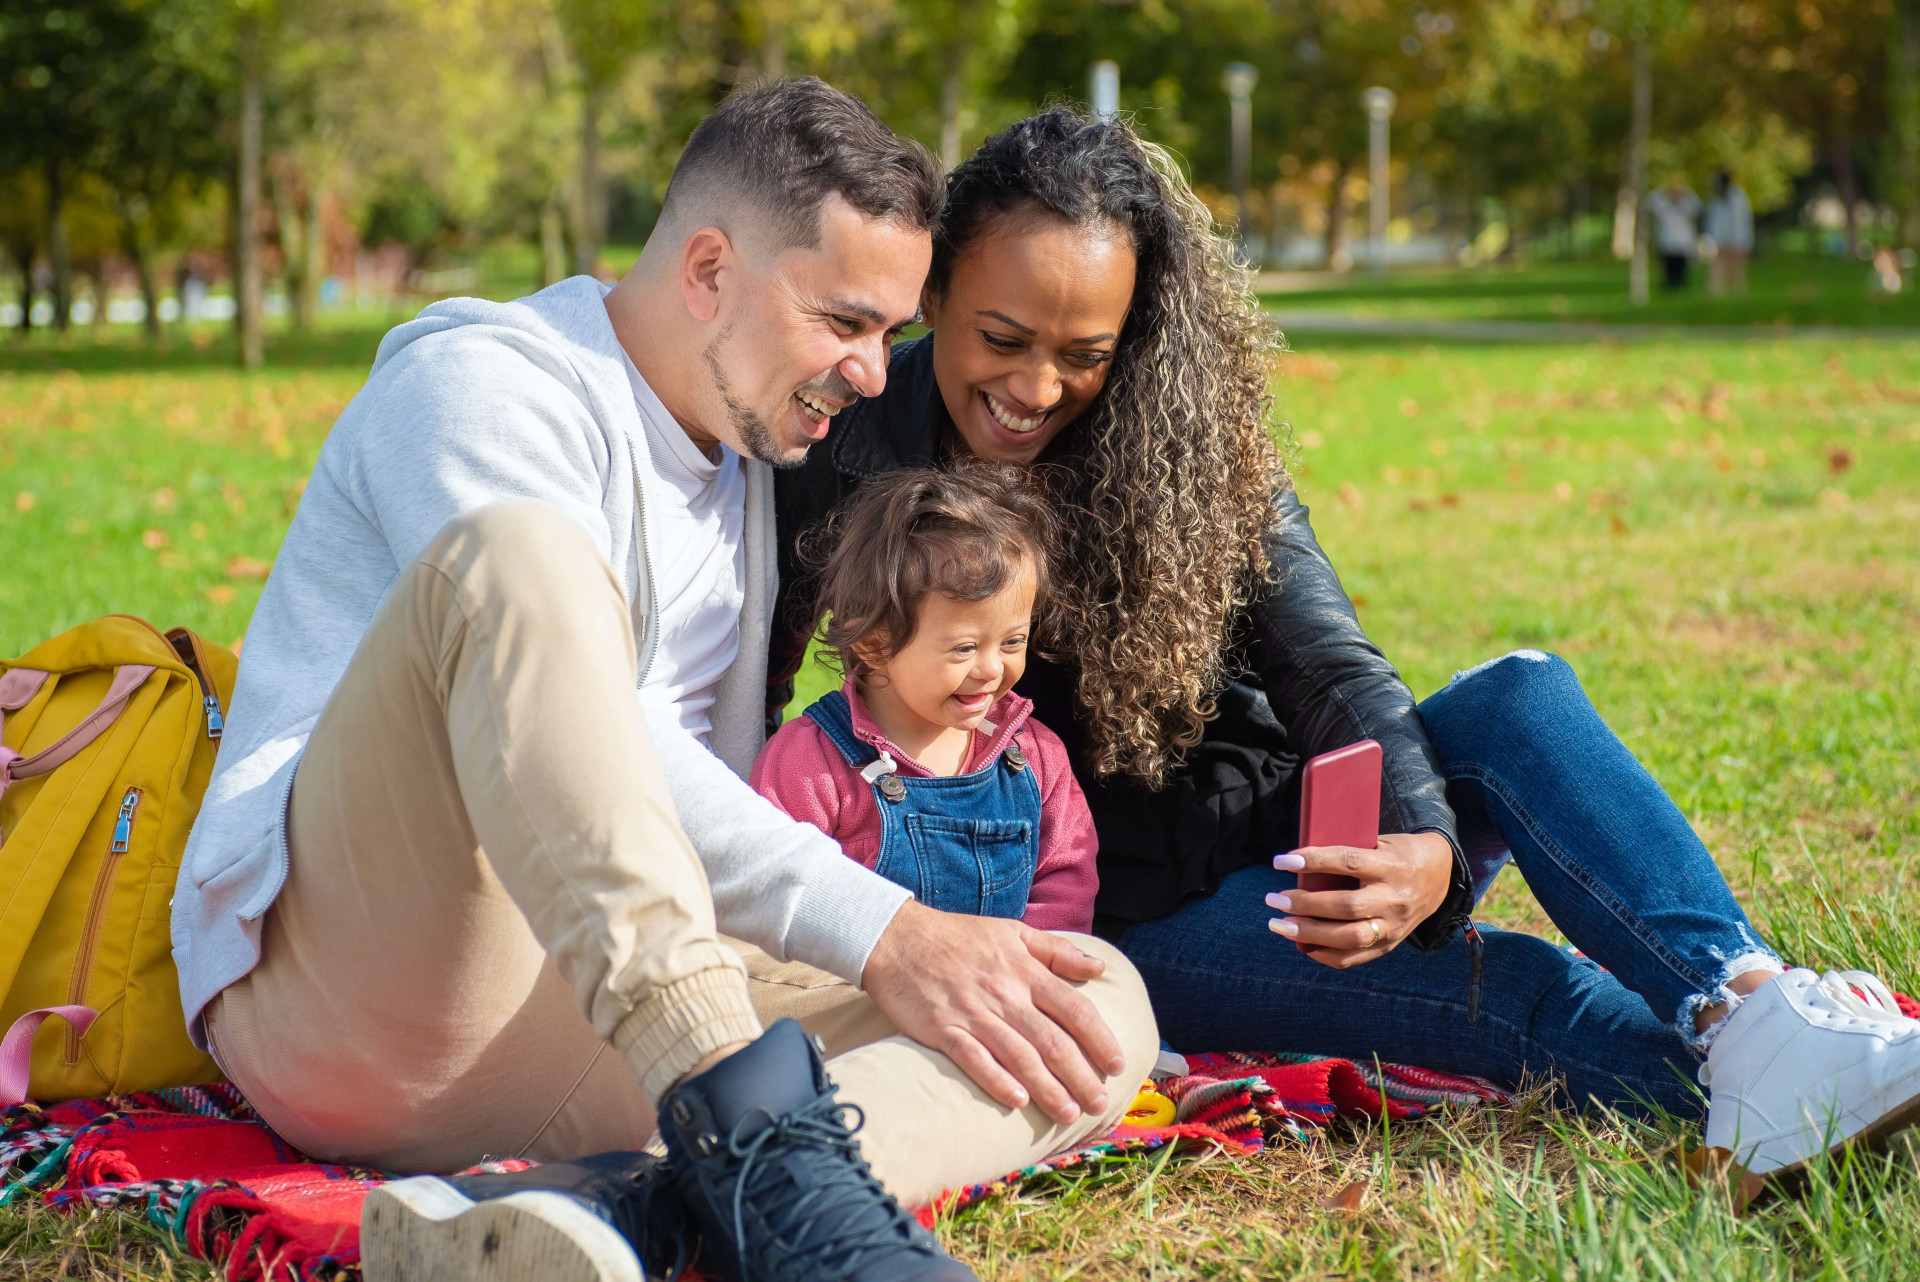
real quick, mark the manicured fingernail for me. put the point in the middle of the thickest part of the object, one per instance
(1281, 926)
(1278, 899)
(1289, 862)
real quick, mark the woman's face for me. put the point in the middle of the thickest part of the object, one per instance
(1025, 332)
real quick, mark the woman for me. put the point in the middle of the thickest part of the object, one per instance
(1086, 321)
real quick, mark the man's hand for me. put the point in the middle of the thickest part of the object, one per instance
(1401, 884)
(994, 996)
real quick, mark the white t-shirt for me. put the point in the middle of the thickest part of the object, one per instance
(699, 568)
(1674, 220)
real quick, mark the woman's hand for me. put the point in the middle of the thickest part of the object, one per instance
(1399, 886)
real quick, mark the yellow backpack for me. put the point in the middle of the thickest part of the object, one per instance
(107, 738)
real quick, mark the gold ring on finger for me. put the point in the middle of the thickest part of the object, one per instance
(1375, 941)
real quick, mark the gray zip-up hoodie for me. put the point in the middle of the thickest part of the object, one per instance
(470, 403)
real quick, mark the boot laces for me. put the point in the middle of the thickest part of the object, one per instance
(842, 1184)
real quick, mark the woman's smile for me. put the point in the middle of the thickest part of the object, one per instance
(1020, 422)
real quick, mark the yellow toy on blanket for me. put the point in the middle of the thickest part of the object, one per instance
(1150, 1108)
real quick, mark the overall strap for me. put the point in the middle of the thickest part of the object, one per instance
(834, 715)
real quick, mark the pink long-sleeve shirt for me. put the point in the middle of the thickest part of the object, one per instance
(801, 772)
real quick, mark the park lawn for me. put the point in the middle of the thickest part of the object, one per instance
(1784, 290)
(1722, 538)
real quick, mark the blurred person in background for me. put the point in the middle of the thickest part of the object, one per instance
(1675, 211)
(1730, 228)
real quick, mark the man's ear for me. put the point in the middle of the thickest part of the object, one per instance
(703, 258)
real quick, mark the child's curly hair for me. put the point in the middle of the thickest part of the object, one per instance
(963, 530)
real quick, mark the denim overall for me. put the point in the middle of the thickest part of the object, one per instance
(960, 843)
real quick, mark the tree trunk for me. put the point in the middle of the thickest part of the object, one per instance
(24, 254)
(1903, 111)
(553, 242)
(57, 248)
(294, 235)
(590, 201)
(1636, 184)
(950, 62)
(314, 269)
(1337, 214)
(1847, 183)
(246, 248)
(133, 242)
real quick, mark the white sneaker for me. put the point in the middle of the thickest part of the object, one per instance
(1807, 1063)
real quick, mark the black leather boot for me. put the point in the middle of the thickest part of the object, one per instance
(770, 1169)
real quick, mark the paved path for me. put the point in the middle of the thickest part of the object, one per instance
(1302, 321)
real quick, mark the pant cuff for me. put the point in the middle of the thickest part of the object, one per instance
(679, 1025)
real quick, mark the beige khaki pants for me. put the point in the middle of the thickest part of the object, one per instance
(495, 939)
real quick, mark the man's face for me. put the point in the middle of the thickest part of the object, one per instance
(808, 332)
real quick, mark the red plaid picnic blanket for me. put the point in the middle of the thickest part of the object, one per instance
(204, 1167)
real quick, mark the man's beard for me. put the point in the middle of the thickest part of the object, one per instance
(753, 431)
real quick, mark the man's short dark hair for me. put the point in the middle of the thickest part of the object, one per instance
(783, 148)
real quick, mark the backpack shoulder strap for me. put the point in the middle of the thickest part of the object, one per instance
(126, 679)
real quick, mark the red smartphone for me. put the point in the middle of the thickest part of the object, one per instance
(1340, 806)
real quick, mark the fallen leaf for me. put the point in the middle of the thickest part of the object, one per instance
(1449, 499)
(1715, 1166)
(1347, 1200)
(1410, 407)
(1835, 500)
(1615, 524)
(1839, 460)
(1564, 491)
(155, 539)
(23, 501)
(246, 567)
(164, 499)
(219, 593)
(1350, 495)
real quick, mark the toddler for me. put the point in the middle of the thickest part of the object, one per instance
(925, 766)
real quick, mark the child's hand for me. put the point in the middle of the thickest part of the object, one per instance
(1400, 885)
(997, 998)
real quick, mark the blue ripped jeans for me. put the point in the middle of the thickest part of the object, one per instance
(1533, 775)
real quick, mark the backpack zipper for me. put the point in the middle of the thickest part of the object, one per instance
(190, 655)
(96, 910)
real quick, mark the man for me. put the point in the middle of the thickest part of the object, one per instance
(454, 889)
(1676, 211)
(1730, 228)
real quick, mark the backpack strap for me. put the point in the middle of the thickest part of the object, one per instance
(126, 679)
(13, 766)
(16, 1048)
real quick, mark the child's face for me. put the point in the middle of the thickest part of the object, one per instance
(963, 656)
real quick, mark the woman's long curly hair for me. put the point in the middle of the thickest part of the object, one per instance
(1165, 485)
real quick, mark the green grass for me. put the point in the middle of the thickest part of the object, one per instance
(1786, 290)
(1722, 538)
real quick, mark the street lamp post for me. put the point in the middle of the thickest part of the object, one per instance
(1103, 87)
(1379, 103)
(1239, 80)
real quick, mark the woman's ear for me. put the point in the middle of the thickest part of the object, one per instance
(929, 304)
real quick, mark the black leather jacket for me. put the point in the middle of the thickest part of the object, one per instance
(1308, 681)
